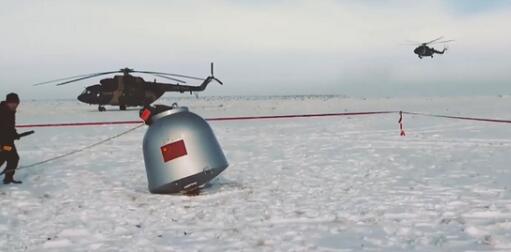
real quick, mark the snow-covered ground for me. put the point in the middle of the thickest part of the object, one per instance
(307, 184)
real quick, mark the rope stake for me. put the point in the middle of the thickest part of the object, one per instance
(401, 123)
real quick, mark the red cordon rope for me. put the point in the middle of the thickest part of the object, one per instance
(460, 117)
(298, 116)
(75, 124)
(209, 119)
(232, 119)
(402, 132)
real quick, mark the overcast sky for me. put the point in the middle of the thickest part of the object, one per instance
(261, 47)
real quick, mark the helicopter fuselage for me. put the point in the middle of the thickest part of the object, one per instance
(132, 91)
(426, 51)
(124, 91)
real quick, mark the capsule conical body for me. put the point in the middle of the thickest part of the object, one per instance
(181, 152)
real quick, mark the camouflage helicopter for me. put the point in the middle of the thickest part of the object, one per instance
(127, 90)
(423, 50)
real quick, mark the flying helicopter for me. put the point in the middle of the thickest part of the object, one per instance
(127, 90)
(423, 50)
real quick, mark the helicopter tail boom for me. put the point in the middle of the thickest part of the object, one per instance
(184, 88)
(187, 88)
(440, 52)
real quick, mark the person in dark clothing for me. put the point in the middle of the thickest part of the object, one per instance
(8, 134)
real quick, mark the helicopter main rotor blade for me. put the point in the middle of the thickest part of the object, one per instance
(413, 42)
(410, 44)
(62, 79)
(170, 78)
(170, 74)
(86, 77)
(427, 43)
(444, 41)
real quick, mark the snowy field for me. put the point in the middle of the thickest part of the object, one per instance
(307, 184)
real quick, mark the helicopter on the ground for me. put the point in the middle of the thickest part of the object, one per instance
(423, 50)
(130, 91)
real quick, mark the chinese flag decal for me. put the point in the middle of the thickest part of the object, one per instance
(173, 150)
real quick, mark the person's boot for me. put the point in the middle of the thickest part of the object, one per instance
(9, 181)
(16, 181)
(9, 178)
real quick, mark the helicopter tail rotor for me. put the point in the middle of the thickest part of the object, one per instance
(213, 75)
(446, 47)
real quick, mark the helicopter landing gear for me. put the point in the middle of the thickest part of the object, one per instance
(122, 107)
(101, 108)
